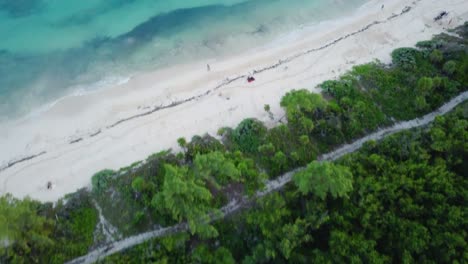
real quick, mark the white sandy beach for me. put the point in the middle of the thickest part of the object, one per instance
(88, 120)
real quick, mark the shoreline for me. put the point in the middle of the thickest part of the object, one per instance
(111, 79)
(68, 160)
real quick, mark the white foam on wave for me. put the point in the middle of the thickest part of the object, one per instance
(318, 26)
(79, 90)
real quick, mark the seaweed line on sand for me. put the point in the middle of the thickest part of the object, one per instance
(271, 67)
(14, 162)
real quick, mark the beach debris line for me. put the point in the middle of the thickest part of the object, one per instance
(76, 140)
(14, 162)
(440, 16)
(95, 133)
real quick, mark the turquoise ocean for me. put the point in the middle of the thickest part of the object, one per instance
(54, 48)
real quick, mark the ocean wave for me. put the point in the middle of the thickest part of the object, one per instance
(79, 90)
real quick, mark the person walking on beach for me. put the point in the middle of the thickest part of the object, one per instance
(208, 68)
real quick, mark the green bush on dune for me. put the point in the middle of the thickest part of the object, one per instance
(100, 180)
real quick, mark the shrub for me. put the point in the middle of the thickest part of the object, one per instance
(463, 30)
(202, 145)
(436, 56)
(450, 67)
(425, 85)
(216, 168)
(249, 135)
(429, 44)
(302, 101)
(301, 106)
(405, 57)
(23, 232)
(100, 180)
(182, 142)
(323, 178)
(221, 131)
(138, 184)
(138, 218)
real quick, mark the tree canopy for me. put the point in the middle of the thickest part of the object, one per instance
(322, 178)
(185, 197)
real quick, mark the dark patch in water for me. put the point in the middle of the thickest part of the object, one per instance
(86, 16)
(98, 42)
(260, 30)
(167, 24)
(21, 8)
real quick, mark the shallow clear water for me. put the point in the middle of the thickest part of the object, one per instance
(52, 48)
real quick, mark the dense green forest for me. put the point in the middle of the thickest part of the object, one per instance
(399, 200)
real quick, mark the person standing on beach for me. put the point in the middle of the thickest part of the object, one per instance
(208, 68)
